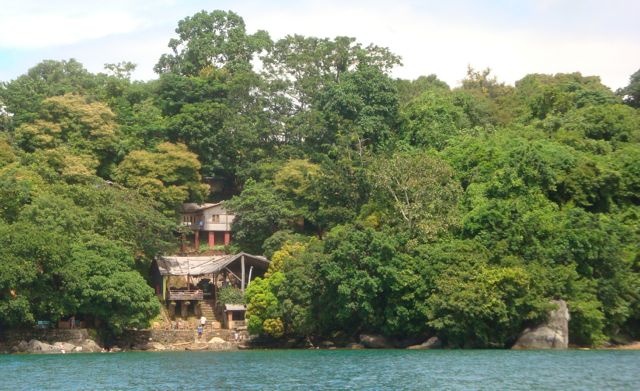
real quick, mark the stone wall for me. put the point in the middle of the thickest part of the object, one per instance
(11, 337)
(167, 337)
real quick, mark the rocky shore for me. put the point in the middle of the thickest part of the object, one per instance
(38, 347)
(551, 334)
(35, 346)
(216, 344)
(64, 341)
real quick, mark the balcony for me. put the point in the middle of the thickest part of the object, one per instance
(185, 295)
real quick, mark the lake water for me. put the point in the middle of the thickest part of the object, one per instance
(324, 369)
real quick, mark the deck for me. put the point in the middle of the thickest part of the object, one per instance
(186, 295)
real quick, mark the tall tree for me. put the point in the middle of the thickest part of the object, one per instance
(215, 39)
(631, 93)
(170, 175)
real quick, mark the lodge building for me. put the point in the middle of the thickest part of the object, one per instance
(210, 223)
(190, 283)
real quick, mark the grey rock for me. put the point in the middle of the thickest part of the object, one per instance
(149, 346)
(327, 344)
(222, 347)
(64, 346)
(431, 343)
(90, 346)
(156, 346)
(216, 340)
(375, 341)
(20, 347)
(36, 347)
(141, 346)
(553, 334)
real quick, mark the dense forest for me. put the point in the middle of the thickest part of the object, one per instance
(402, 207)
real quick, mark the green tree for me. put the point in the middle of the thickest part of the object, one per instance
(260, 212)
(211, 39)
(631, 93)
(420, 191)
(360, 111)
(170, 175)
(432, 119)
(24, 96)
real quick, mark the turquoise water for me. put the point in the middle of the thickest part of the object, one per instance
(322, 370)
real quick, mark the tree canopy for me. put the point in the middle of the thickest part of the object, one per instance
(409, 208)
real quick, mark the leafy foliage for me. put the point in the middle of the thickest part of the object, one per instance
(402, 207)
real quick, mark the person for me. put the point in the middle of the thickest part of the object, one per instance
(203, 321)
(199, 331)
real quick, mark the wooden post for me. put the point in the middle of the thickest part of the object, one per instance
(196, 240)
(242, 274)
(249, 279)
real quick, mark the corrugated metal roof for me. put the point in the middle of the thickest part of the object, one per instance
(235, 307)
(195, 266)
(191, 207)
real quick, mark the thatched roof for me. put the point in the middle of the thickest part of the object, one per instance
(195, 266)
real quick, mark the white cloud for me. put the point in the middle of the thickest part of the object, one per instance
(445, 47)
(55, 29)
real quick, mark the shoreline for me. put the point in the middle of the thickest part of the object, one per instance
(206, 347)
(73, 341)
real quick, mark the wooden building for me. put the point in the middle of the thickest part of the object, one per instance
(209, 222)
(190, 285)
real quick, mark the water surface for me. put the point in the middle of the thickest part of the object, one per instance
(323, 370)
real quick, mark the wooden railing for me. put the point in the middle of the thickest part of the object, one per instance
(185, 295)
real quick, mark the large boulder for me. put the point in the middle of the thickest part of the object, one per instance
(64, 346)
(35, 347)
(217, 340)
(375, 341)
(327, 344)
(90, 346)
(142, 346)
(222, 347)
(219, 344)
(553, 334)
(431, 343)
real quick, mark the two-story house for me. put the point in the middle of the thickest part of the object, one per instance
(210, 222)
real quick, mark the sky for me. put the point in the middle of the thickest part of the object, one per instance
(512, 37)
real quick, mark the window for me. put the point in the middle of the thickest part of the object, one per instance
(215, 219)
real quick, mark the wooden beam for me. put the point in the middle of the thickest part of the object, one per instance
(232, 273)
(164, 288)
(242, 268)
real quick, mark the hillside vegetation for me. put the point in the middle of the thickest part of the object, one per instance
(402, 207)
